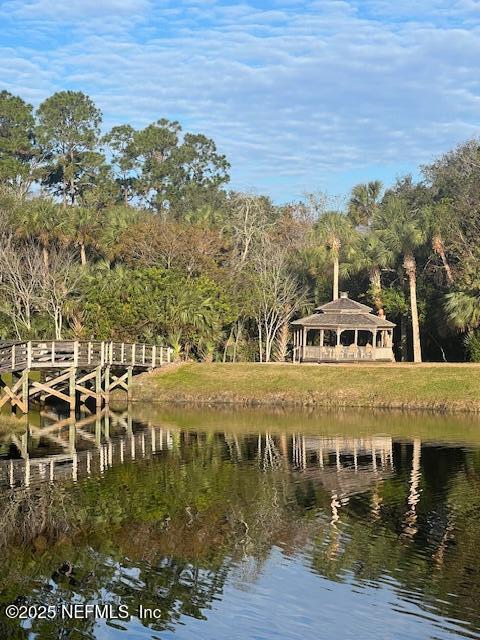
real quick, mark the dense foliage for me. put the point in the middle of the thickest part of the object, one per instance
(132, 235)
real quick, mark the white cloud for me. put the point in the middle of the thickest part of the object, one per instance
(296, 95)
(74, 9)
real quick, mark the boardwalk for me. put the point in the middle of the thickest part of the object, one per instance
(72, 371)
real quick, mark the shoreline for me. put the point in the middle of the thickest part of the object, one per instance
(442, 388)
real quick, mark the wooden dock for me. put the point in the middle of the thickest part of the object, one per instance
(72, 371)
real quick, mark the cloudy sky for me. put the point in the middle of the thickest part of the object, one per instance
(301, 95)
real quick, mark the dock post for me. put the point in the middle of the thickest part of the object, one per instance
(29, 354)
(98, 387)
(72, 392)
(154, 356)
(106, 383)
(20, 397)
(25, 390)
(129, 383)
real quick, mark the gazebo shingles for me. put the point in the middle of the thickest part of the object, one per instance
(344, 305)
(344, 320)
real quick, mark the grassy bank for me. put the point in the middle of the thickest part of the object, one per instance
(11, 424)
(428, 386)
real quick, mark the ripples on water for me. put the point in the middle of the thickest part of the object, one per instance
(244, 525)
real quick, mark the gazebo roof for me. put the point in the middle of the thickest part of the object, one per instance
(345, 314)
(344, 305)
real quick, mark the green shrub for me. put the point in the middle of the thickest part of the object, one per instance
(472, 346)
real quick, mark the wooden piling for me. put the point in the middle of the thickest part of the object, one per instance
(129, 383)
(98, 388)
(25, 391)
(106, 384)
(72, 392)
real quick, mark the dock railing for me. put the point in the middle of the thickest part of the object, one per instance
(57, 354)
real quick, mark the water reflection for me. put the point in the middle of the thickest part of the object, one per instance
(219, 525)
(64, 448)
(410, 522)
(58, 448)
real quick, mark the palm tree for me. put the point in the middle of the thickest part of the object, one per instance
(114, 222)
(463, 310)
(370, 254)
(81, 228)
(334, 230)
(39, 220)
(189, 317)
(364, 202)
(403, 231)
(438, 218)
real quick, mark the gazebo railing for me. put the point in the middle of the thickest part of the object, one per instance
(340, 353)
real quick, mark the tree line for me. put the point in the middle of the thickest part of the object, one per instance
(133, 234)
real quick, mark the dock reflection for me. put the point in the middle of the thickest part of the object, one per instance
(54, 448)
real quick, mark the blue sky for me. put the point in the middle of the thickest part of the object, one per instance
(301, 95)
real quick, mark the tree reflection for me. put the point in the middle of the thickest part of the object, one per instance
(168, 529)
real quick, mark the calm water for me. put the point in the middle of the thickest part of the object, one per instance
(242, 524)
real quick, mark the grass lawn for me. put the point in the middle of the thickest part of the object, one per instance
(436, 386)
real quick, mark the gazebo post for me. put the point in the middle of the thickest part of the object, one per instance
(355, 340)
(374, 345)
(304, 340)
(322, 337)
(339, 333)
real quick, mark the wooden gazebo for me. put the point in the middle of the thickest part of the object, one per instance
(343, 331)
